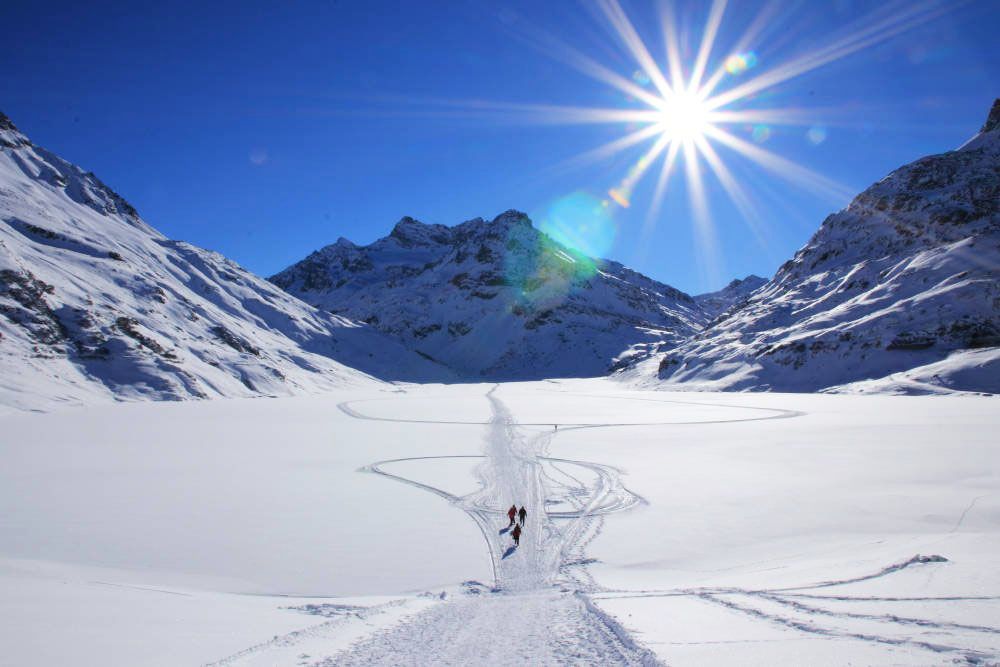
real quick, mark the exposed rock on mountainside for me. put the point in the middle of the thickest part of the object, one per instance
(96, 303)
(907, 276)
(495, 299)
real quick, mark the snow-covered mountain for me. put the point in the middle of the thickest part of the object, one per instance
(897, 292)
(496, 299)
(716, 303)
(900, 291)
(96, 303)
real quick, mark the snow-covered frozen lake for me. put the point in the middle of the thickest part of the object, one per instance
(338, 529)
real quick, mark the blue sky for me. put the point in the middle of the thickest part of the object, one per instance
(265, 131)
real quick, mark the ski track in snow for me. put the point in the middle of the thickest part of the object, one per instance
(530, 628)
(541, 611)
(808, 625)
(343, 613)
(778, 413)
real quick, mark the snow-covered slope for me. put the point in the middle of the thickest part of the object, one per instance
(907, 276)
(96, 303)
(496, 298)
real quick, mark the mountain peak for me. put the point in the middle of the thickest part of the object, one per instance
(752, 279)
(6, 123)
(409, 231)
(993, 119)
(736, 292)
(10, 136)
(511, 218)
(405, 223)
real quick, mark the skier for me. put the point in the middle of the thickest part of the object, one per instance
(516, 534)
(522, 514)
(511, 513)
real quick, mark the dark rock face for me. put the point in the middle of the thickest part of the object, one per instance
(10, 136)
(6, 123)
(25, 305)
(234, 341)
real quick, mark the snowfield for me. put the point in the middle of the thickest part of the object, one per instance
(367, 526)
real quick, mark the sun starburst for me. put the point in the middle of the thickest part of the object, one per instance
(684, 116)
(690, 113)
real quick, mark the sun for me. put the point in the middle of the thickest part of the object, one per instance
(695, 107)
(684, 117)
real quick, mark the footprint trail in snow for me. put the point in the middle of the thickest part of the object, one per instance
(530, 619)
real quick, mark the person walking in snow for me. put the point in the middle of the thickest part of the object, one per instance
(522, 514)
(516, 534)
(511, 514)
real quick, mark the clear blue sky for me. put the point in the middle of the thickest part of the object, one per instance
(267, 130)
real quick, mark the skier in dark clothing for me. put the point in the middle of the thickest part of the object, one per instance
(516, 534)
(522, 514)
(511, 514)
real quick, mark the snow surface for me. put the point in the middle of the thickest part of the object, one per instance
(366, 526)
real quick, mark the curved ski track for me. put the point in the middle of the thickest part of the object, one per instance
(541, 586)
(541, 610)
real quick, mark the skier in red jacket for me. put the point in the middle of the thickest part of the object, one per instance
(516, 534)
(512, 514)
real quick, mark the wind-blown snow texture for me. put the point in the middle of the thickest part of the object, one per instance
(497, 298)
(96, 303)
(897, 292)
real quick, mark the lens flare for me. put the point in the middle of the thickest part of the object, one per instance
(640, 78)
(580, 221)
(738, 63)
(760, 133)
(688, 104)
(620, 197)
(258, 157)
(549, 268)
(816, 135)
